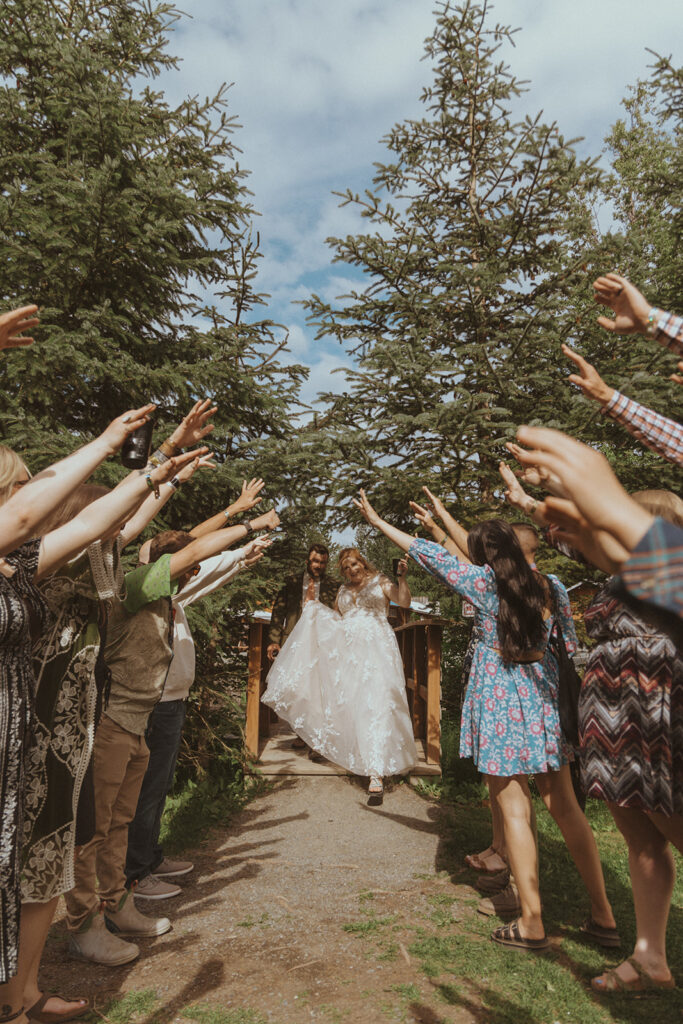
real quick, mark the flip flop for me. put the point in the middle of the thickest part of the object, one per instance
(610, 981)
(37, 1013)
(609, 938)
(510, 935)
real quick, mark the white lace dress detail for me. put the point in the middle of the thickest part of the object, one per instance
(339, 683)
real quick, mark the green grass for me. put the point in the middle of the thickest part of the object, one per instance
(132, 1006)
(204, 1014)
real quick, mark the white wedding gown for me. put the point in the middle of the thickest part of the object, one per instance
(339, 682)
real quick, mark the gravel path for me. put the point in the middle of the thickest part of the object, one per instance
(303, 909)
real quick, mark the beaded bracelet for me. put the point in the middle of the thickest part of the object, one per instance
(152, 484)
(651, 328)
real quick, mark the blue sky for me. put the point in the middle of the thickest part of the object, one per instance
(317, 83)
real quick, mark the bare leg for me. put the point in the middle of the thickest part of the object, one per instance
(653, 873)
(32, 992)
(36, 919)
(514, 801)
(559, 797)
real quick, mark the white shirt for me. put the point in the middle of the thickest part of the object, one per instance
(213, 573)
(307, 580)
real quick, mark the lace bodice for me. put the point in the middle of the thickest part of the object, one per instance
(369, 599)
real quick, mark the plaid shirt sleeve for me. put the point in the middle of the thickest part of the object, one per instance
(662, 435)
(654, 572)
(669, 331)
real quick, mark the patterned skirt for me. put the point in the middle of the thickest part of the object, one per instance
(631, 724)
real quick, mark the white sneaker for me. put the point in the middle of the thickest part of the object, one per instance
(170, 868)
(128, 920)
(152, 888)
(99, 946)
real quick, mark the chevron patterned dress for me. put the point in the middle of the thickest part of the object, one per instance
(631, 708)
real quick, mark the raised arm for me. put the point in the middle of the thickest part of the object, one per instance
(399, 592)
(213, 543)
(657, 432)
(634, 314)
(456, 532)
(23, 513)
(589, 482)
(426, 520)
(102, 516)
(152, 505)
(248, 498)
(516, 496)
(398, 537)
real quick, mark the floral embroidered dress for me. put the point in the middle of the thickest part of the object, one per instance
(71, 678)
(21, 607)
(510, 719)
(339, 682)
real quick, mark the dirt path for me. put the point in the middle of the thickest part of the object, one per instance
(304, 909)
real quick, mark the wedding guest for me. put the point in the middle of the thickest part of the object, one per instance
(512, 719)
(138, 653)
(147, 868)
(19, 572)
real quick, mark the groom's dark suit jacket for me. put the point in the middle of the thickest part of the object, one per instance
(287, 607)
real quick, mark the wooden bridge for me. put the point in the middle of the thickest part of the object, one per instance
(269, 741)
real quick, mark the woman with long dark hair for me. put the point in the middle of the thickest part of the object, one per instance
(510, 722)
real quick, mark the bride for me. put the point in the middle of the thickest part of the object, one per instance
(338, 680)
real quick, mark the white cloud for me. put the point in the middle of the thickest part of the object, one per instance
(317, 84)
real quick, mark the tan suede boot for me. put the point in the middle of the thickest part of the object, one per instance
(127, 920)
(99, 946)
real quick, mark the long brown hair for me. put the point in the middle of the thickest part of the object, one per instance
(79, 499)
(522, 595)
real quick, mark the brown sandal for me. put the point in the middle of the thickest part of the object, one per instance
(37, 1013)
(607, 937)
(510, 935)
(610, 981)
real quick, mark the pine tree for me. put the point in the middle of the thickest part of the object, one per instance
(476, 233)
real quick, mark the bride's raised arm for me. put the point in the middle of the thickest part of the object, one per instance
(399, 592)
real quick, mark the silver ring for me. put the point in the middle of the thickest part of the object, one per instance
(126, 419)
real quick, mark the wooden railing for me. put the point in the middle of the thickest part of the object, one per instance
(420, 646)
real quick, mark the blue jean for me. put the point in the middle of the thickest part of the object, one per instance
(163, 735)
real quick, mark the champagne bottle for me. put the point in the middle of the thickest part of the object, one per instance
(137, 446)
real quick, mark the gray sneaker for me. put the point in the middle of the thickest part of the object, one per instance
(173, 868)
(152, 888)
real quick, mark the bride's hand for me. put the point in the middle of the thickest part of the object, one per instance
(366, 509)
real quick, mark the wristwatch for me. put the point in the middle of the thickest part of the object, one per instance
(249, 528)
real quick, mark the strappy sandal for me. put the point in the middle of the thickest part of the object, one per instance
(609, 938)
(480, 861)
(491, 884)
(37, 1013)
(501, 904)
(510, 935)
(375, 791)
(7, 1017)
(610, 981)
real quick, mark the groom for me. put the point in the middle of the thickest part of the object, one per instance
(310, 585)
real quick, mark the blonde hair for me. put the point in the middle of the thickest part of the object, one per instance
(664, 504)
(347, 552)
(12, 468)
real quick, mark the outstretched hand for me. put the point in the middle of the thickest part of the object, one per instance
(588, 378)
(249, 496)
(536, 476)
(200, 461)
(588, 481)
(13, 323)
(194, 427)
(599, 547)
(366, 509)
(255, 550)
(125, 424)
(437, 504)
(514, 492)
(402, 567)
(423, 515)
(630, 306)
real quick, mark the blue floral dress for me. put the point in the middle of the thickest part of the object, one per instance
(510, 718)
